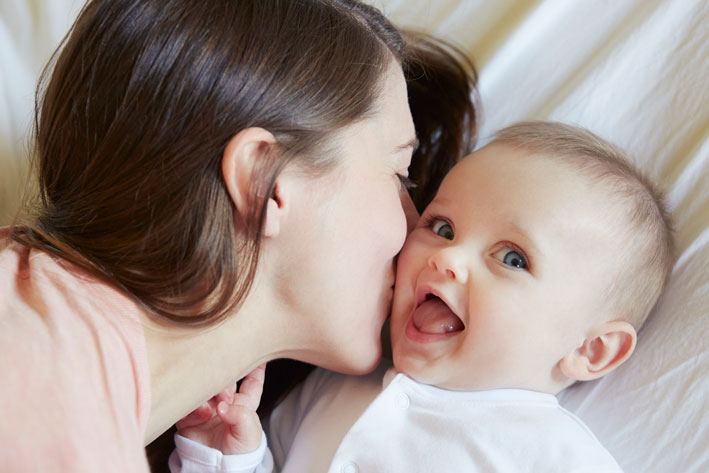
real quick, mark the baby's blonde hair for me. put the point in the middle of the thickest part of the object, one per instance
(643, 274)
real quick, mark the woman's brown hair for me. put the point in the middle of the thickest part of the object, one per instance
(133, 118)
(445, 106)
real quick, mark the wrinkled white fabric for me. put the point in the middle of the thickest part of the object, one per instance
(390, 423)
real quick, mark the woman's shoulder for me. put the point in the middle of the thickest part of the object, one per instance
(30, 273)
(66, 333)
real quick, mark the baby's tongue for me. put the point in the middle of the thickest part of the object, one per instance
(434, 316)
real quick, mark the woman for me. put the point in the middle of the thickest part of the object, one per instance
(220, 185)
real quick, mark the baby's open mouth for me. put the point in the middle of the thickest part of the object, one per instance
(434, 316)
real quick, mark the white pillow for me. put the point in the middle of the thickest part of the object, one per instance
(30, 30)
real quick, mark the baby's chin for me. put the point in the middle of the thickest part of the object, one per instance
(422, 372)
(411, 367)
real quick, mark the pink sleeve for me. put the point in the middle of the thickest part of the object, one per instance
(74, 385)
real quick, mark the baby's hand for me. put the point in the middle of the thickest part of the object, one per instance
(228, 422)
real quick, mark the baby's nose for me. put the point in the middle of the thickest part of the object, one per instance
(447, 262)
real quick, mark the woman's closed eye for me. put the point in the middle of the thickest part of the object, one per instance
(511, 256)
(406, 182)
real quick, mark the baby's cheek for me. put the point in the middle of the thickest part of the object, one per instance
(410, 212)
(412, 253)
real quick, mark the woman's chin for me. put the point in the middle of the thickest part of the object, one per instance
(368, 362)
(353, 362)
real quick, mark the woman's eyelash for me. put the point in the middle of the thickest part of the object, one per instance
(406, 182)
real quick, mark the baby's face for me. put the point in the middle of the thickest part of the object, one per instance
(503, 274)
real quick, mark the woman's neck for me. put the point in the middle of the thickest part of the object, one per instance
(188, 366)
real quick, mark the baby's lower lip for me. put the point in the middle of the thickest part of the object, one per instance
(415, 335)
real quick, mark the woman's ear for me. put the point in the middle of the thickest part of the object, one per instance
(607, 346)
(239, 160)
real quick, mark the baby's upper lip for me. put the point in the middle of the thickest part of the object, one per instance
(422, 293)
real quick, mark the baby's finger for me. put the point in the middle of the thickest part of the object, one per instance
(200, 415)
(235, 415)
(251, 388)
(226, 395)
(244, 430)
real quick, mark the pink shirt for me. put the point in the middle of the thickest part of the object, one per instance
(74, 378)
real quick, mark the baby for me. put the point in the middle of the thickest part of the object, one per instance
(533, 268)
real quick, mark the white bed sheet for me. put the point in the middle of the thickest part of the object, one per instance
(29, 31)
(633, 71)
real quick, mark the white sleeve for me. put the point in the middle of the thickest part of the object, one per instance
(193, 457)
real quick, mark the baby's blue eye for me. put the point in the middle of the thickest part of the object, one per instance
(512, 257)
(442, 228)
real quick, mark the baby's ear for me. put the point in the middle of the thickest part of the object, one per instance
(607, 346)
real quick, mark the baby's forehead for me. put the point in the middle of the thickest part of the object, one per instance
(542, 186)
(546, 167)
(497, 160)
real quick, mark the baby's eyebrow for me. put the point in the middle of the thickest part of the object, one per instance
(528, 241)
(439, 201)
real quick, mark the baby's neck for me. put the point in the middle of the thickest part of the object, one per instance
(554, 386)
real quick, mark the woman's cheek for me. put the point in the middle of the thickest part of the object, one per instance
(387, 224)
(399, 227)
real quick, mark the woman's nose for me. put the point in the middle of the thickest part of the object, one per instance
(447, 262)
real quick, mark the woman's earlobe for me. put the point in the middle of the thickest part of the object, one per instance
(607, 347)
(239, 160)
